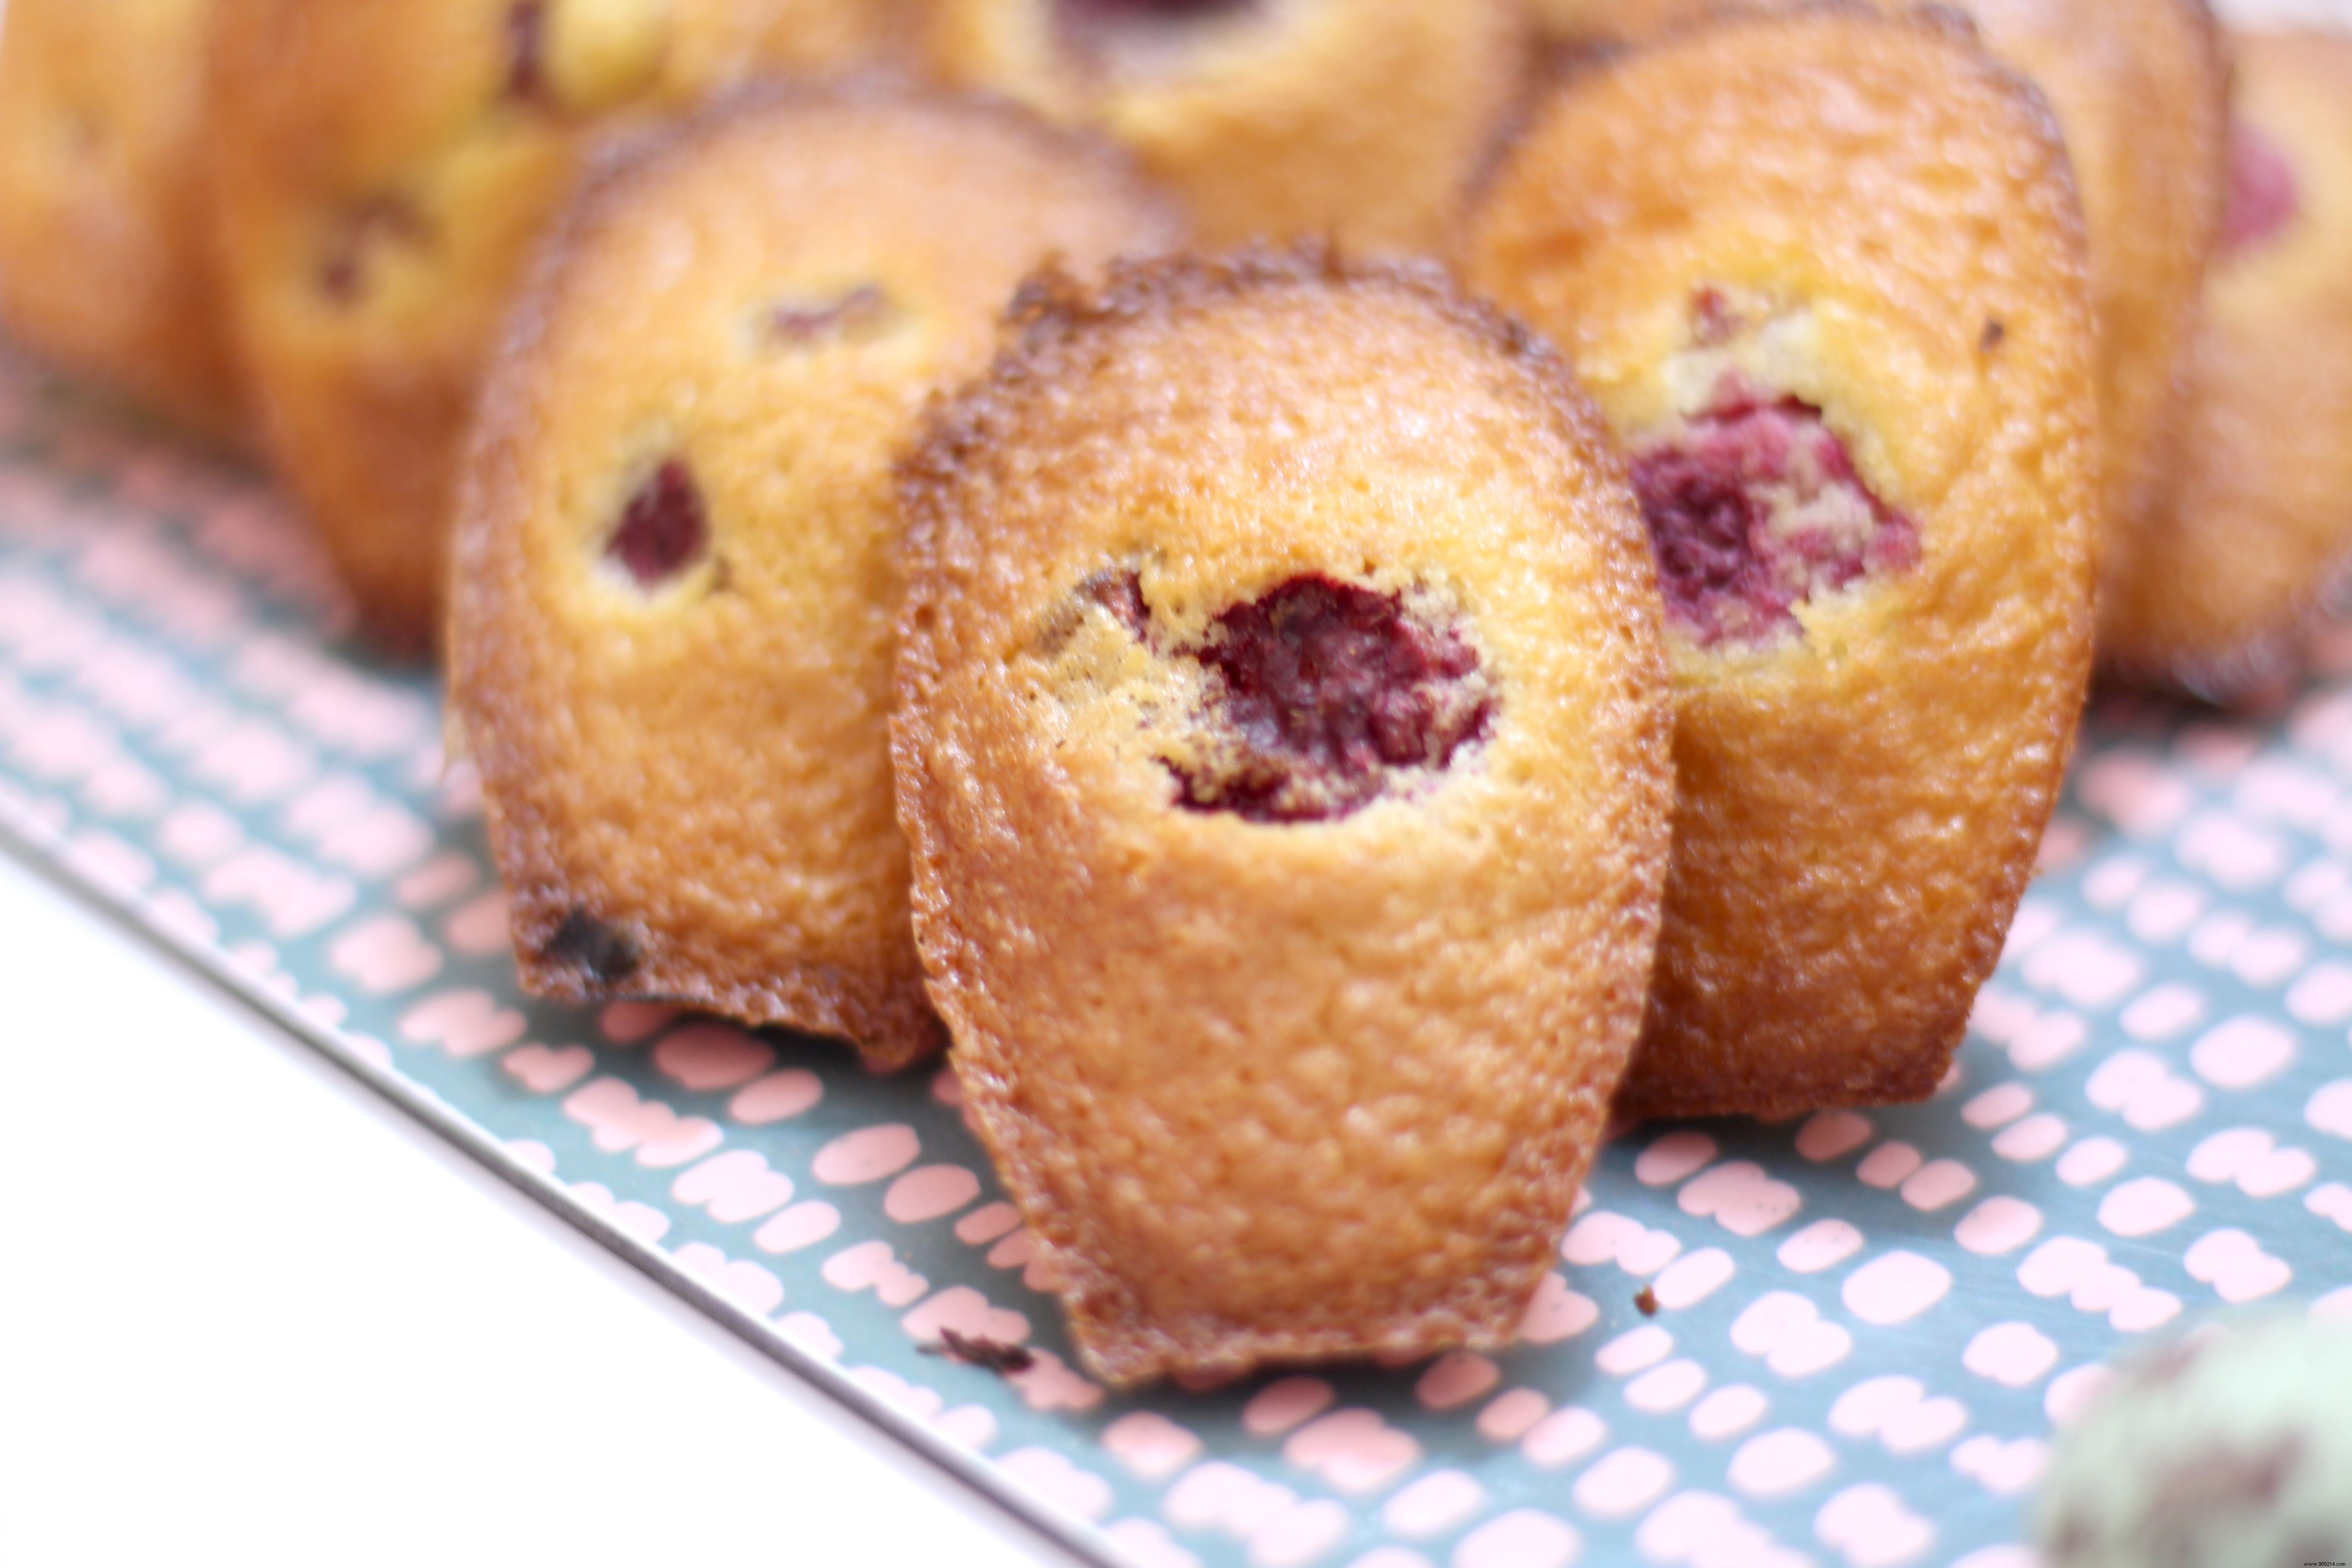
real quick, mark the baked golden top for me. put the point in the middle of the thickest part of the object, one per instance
(1359, 120)
(1862, 229)
(384, 167)
(676, 577)
(1292, 1038)
(2218, 587)
(107, 263)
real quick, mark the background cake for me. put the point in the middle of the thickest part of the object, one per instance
(383, 169)
(1867, 460)
(676, 574)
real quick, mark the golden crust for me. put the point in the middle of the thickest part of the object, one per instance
(1858, 807)
(2220, 588)
(107, 264)
(2140, 88)
(383, 169)
(1363, 121)
(1277, 1092)
(701, 770)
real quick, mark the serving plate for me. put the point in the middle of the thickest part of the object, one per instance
(1840, 1339)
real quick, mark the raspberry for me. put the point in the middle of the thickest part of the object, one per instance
(526, 50)
(1753, 508)
(2262, 197)
(663, 529)
(1328, 691)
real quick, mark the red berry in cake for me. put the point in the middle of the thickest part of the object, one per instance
(1754, 507)
(1329, 692)
(665, 528)
(2264, 198)
(526, 50)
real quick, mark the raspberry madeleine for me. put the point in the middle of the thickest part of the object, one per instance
(1363, 119)
(1823, 272)
(2140, 89)
(107, 264)
(1282, 738)
(672, 629)
(384, 167)
(2217, 592)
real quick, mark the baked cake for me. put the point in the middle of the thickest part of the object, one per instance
(384, 168)
(1282, 738)
(107, 265)
(676, 572)
(1823, 273)
(2215, 594)
(1362, 120)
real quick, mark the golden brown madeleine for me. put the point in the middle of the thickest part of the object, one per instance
(1282, 742)
(1363, 119)
(107, 264)
(383, 169)
(677, 577)
(1823, 273)
(2140, 88)
(2217, 592)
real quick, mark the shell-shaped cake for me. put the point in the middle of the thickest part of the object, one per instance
(676, 577)
(2220, 586)
(1282, 740)
(1363, 121)
(384, 168)
(106, 260)
(1823, 273)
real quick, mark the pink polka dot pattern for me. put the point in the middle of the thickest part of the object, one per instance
(705, 1057)
(930, 1192)
(866, 1155)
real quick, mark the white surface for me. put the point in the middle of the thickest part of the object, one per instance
(250, 1312)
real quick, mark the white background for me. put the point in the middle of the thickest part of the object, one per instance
(250, 1312)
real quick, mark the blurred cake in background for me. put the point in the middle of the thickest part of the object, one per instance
(384, 167)
(1359, 120)
(2217, 592)
(107, 261)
